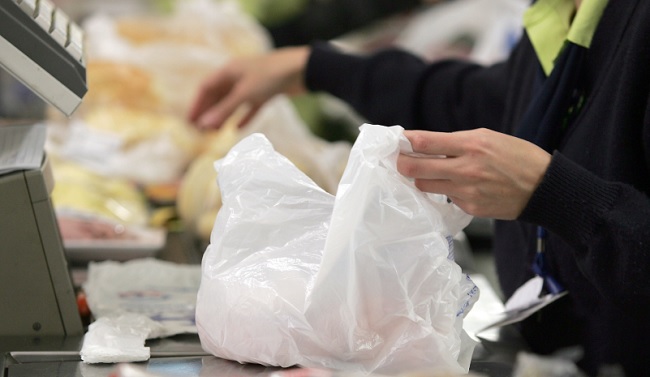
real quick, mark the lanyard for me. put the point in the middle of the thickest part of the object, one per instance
(540, 267)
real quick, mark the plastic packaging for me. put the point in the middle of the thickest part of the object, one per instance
(363, 281)
(119, 338)
(163, 291)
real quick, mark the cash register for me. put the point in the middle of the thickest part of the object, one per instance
(41, 47)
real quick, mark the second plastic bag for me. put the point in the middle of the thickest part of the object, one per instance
(364, 281)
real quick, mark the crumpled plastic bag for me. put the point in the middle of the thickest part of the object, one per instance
(363, 282)
(119, 338)
(161, 290)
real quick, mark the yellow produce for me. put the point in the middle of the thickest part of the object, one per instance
(82, 191)
(135, 126)
(199, 195)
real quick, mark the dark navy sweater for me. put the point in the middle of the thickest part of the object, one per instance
(593, 199)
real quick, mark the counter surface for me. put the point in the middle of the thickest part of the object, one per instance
(182, 355)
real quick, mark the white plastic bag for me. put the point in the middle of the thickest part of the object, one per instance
(359, 282)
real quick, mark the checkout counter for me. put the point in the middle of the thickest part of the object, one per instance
(41, 332)
(182, 355)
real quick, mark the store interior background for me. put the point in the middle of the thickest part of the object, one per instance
(480, 30)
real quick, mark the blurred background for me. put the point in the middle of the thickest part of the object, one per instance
(134, 179)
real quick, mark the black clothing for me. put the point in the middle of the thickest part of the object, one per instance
(593, 199)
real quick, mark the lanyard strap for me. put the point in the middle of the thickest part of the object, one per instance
(540, 267)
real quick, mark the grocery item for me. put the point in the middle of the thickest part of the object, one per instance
(80, 190)
(113, 83)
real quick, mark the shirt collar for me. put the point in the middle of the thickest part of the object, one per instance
(550, 23)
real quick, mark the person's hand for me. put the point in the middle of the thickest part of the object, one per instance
(484, 172)
(248, 83)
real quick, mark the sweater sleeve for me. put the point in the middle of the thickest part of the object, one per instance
(394, 87)
(606, 223)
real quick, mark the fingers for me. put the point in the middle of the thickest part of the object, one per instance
(213, 89)
(465, 197)
(484, 172)
(252, 82)
(222, 94)
(427, 167)
(440, 175)
(220, 98)
(438, 186)
(216, 116)
(436, 143)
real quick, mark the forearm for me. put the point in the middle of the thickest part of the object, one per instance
(606, 223)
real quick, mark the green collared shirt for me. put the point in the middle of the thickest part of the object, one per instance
(550, 23)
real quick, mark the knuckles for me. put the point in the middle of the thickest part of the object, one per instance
(419, 142)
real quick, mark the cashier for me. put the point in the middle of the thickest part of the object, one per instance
(553, 143)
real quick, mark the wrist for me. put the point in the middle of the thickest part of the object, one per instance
(296, 58)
